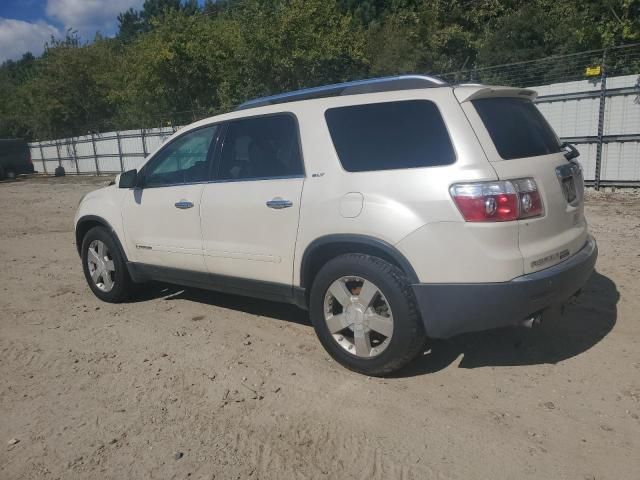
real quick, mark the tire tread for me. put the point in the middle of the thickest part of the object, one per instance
(402, 283)
(123, 289)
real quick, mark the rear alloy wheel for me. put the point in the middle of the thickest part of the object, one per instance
(358, 316)
(365, 314)
(104, 267)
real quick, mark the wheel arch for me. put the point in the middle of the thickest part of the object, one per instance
(325, 248)
(86, 223)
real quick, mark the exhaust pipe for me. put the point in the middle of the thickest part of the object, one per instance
(532, 321)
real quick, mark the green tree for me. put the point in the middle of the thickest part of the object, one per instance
(291, 44)
(13, 74)
(68, 91)
(176, 61)
(166, 74)
(131, 23)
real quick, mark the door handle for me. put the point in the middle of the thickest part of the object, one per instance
(279, 203)
(183, 204)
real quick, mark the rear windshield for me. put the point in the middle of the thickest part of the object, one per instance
(516, 127)
(390, 135)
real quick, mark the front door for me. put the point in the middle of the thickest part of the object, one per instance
(162, 218)
(250, 211)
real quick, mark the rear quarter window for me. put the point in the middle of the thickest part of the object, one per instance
(516, 127)
(390, 135)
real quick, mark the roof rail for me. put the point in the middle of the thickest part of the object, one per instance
(371, 85)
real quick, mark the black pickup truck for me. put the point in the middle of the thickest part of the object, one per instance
(15, 158)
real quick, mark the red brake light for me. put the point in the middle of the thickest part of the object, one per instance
(500, 201)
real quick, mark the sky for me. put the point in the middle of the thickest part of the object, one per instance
(25, 25)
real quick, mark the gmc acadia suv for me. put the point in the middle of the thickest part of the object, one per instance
(394, 209)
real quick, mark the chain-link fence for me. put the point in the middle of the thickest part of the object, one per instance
(593, 64)
(592, 99)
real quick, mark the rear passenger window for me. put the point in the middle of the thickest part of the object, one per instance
(517, 128)
(261, 148)
(390, 135)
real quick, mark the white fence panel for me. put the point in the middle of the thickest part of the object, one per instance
(621, 161)
(153, 143)
(109, 164)
(107, 146)
(572, 118)
(49, 151)
(86, 165)
(622, 115)
(132, 162)
(84, 149)
(107, 152)
(572, 109)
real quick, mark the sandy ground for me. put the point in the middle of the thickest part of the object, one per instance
(192, 384)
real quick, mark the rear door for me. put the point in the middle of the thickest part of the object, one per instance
(520, 143)
(250, 211)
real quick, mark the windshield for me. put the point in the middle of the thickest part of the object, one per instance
(516, 127)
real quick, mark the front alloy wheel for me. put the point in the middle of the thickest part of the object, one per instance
(101, 267)
(104, 266)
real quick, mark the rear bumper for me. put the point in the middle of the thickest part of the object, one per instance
(454, 308)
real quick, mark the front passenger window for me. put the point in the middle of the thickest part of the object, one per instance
(185, 160)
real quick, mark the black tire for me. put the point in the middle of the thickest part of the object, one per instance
(1, 173)
(10, 174)
(122, 284)
(408, 337)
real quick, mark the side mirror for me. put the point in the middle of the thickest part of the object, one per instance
(570, 152)
(128, 179)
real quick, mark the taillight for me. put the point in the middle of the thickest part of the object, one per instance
(529, 200)
(29, 161)
(500, 201)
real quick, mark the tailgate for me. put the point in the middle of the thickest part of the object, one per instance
(519, 143)
(562, 230)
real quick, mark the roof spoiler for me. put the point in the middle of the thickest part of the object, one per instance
(467, 93)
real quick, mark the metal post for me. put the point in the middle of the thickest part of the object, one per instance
(75, 155)
(44, 162)
(144, 143)
(95, 153)
(603, 98)
(120, 152)
(58, 150)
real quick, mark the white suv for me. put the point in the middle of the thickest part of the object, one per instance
(394, 210)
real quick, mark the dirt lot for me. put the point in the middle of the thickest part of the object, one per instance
(192, 384)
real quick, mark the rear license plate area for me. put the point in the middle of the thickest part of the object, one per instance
(570, 178)
(569, 189)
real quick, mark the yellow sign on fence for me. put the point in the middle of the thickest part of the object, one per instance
(593, 71)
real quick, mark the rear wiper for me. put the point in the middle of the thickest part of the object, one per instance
(570, 152)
